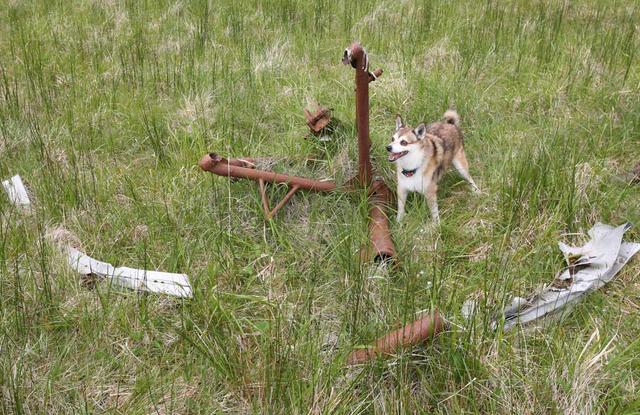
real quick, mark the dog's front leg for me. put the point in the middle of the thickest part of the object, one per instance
(402, 198)
(432, 200)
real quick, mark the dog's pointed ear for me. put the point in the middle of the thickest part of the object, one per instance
(420, 131)
(399, 123)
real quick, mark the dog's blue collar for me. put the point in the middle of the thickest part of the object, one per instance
(409, 173)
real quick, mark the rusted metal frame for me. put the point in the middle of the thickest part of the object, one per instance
(412, 334)
(217, 164)
(380, 235)
(253, 162)
(284, 200)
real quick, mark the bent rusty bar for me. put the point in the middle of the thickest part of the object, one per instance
(284, 200)
(268, 212)
(245, 169)
(411, 334)
(219, 165)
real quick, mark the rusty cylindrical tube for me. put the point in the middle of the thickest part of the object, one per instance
(218, 165)
(358, 60)
(379, 232)
(411, 334)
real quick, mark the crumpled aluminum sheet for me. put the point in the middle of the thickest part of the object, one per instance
(135, 279)
(589, 267)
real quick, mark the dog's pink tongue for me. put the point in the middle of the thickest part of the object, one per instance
(396, 156)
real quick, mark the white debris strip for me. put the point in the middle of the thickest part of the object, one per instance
(17, 192)
(136, 279)
(589, 267)
(469, 308)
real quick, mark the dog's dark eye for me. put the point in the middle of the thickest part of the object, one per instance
(403, 143)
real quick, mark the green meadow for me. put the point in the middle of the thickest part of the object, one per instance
(107, 106)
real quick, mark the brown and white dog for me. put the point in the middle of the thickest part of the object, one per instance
(423, 154)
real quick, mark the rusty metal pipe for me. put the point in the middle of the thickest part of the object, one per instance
(219, 165)
(380, 235)
(356, 56)
(410, 335)
(379, 232)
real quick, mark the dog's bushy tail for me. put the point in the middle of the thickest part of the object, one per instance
(452, 117)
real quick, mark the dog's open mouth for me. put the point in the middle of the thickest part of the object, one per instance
(396, 156)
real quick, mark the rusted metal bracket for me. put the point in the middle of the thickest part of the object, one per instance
(318, 120)
(375, 74)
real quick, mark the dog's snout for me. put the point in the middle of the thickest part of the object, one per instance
(389, 148)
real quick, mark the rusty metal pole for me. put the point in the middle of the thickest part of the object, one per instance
(356, 56)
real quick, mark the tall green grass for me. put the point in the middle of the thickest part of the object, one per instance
(106, 107)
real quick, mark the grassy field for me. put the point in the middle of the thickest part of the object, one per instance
(106, 107)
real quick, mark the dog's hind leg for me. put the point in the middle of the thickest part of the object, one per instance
(462, 166)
